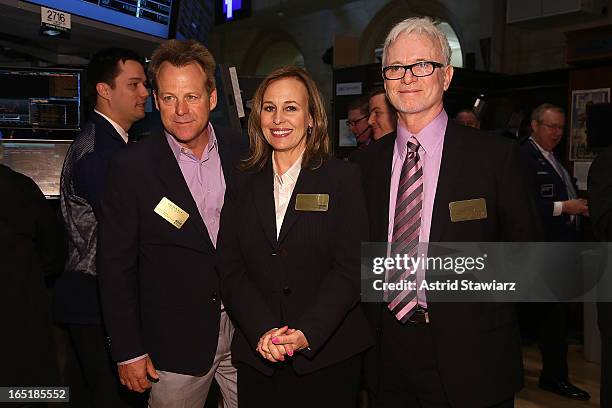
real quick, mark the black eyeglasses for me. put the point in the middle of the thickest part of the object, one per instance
(419, 69)
(350, 123)
(552, 126)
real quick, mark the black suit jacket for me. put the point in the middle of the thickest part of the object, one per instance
(159, 288)
(600, 210)
(308, 278)
(548, 187)
(477, 344)
(32, 247)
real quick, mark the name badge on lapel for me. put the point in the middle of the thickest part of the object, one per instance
(547, 190)
(171, 212)
(311, 202)
(468, 210)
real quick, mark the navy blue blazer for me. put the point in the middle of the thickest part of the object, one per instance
(75, 294)
(548, 187)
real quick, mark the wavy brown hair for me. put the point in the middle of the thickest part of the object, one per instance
(317, 142)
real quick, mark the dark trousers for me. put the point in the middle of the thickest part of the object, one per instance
(336, 386)
(99, 371)
(604, 311)
(411, 379)
(552, 339)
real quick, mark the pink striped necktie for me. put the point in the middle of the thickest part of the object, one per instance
(406, 228)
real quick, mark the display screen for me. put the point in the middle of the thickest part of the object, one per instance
(40, 99)
(146, 16)
(41, 160)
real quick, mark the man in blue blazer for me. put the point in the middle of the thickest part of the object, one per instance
(116, 83)
(560, 210)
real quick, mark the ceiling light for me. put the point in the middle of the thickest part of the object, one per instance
(50, 32)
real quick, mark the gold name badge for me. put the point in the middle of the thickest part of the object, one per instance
(171, 213)
(467, 210)
(311, 202)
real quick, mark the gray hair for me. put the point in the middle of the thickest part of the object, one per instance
(421, 26)
(539, 111)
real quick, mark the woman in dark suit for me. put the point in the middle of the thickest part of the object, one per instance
(289, 255)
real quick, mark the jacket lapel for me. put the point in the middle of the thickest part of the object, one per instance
(306, 183)
(451, 167)
(263, 196)
(545, 162)
(382, 185)
(227, 152)
(171, 177)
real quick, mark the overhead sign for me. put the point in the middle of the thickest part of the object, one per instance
(230, 10)
(51, 19)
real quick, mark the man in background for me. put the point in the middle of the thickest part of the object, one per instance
(116, 85)
(467, 117)
(600, 208)
(560, 210)
(32, 248)
(358, 113)
(383, 116)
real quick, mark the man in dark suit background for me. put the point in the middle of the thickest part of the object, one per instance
(600, 200)
(441, 354)
(158, 230)
(560, 209)
(116, 85)
(357, 122)
(32, 248)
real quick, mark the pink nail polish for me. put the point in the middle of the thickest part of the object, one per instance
(290, 352)
(274, 340)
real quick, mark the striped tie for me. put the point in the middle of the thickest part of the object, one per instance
(406, 228)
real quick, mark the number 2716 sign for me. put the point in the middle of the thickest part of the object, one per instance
(54, 19)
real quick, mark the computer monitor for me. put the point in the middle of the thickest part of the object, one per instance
(146, 16)
(40, 99)
(41, 160)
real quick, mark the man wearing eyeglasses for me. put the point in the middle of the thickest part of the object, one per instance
(557, 191)
(430, 353)
(358, 114)
(560, 209)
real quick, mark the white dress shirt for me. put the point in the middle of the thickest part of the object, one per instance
(550, 157)
(119, 129)
(283, 189)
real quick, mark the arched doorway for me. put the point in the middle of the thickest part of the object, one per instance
(270, 50)
(277, 55)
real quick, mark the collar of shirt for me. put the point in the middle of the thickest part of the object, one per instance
(181, 151)
(291, 175)
(119, 129)
(429, 137)
(546, 153)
